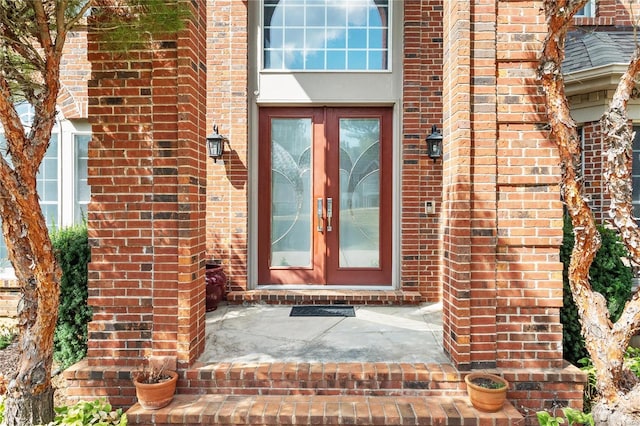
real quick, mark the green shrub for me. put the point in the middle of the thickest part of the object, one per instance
(97, 413)
(94, 413)
(71, 247)
(608, 275)
(574, 417)
(590, 393)
(6, 336)
(632, 360)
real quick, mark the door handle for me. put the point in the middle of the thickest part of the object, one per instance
(329, 213)
(320, 208)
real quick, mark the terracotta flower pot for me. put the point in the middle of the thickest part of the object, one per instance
(487, 392)
(153, 396)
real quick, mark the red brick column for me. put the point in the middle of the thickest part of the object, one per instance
(594, 185)
(529, 282)
(502, 224)
(190, 208)
(147, 214)
(456, 210)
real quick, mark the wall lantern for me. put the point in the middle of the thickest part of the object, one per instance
(434, 143)
(215, 144)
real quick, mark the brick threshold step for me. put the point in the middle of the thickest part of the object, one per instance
(192, 410)
(325, 297)
(347, 378)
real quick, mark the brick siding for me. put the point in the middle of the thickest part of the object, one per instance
(146, 217)
(74, 73)
(227, 107)
(490, 252)
(421, 176)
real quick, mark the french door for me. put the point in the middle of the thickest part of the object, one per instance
(324, 203)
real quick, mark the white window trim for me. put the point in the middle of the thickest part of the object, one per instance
(277, 87)
(84, 205)
(390, 45)
(588, 11)
(65, 131)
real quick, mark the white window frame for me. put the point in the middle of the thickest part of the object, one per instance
(66, 131)
(76, 203)
(391, 5)
(57, 132)
(588, 11)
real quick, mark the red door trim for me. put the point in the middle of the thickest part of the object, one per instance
(380, 275)
(325, 261)
(266, 274)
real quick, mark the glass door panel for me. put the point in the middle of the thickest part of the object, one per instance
(291, 192)
(290, 249)
(358, 175)
(359, 244)
(324, 196)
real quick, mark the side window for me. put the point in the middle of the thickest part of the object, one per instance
(82, 191)
(61, 181)
(47, 187)
(47, 183)
(329, 35)
(589, 10)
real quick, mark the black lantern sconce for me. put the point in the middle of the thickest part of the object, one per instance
(434, 143)
(215, 144)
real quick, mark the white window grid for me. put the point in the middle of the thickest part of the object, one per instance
(302, 32)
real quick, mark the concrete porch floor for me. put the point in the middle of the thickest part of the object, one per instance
(266, 333)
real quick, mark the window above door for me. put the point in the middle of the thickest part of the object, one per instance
(326, 35)
(325, 51)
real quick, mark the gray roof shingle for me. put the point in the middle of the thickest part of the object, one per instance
(591, 49)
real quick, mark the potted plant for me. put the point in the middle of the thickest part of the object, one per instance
(155, 386)
(487, 392)
(216, 282)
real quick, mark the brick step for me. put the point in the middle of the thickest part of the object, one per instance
(192, 410)
(326, 297)
(296, 378)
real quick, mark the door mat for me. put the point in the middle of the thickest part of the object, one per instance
(322, 311)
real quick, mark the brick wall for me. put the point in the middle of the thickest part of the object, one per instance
(594, 186)
(421, 176)
(147, 213)
(74, 73)
(503, 217)
(456, 238)
(9, 298)
(608, 12)
(227, 106)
